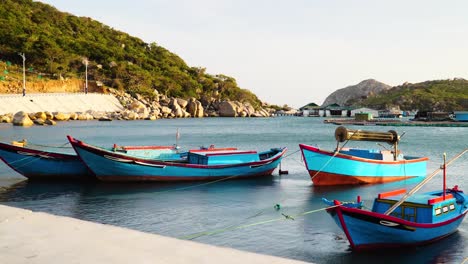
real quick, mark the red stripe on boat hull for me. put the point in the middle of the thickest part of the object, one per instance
(115, 178)
(325, 179)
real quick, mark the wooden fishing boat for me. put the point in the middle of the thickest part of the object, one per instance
(361, 166)
(400, 219)
(37, 164)
(43, 164)
(208, 164)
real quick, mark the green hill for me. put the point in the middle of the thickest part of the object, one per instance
(55, 44)
(439, 95)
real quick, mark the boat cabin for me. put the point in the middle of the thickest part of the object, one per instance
(374, 154)
(149, 152)
(420, 208)
(222, 157)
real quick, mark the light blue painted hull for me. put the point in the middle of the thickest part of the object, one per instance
(39, 165)
(328, 168)
(109, 166)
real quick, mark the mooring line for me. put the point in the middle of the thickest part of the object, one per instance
(291, 153)
(50, 146)
(230, 228)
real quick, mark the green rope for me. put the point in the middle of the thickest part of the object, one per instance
(230, 228)
(291, 153)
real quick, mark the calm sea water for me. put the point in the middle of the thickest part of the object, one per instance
(184, 209)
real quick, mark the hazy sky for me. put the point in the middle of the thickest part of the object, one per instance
(299, 51)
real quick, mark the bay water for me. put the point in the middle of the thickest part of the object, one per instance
(237, 213)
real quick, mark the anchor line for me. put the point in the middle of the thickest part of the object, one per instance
(291, 153)
(50, 146)
(231, 228)
(332, 157)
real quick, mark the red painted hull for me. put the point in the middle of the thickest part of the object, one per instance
(327, 179)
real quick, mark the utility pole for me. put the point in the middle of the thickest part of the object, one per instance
(24, 73)
(85, 61)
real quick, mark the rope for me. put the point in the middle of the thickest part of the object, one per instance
(291, 153)
(421, 184)
(230, 228)
(334, 155)
(32, 158)
(50, 146)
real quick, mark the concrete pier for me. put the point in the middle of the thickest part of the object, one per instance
(35, 237)
(58, 102)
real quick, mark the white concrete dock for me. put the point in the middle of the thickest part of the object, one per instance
(58, 102)
(35, 237)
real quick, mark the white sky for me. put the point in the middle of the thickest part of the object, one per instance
(299, 51)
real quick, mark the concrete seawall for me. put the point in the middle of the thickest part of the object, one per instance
(58, 102)
(34, 237)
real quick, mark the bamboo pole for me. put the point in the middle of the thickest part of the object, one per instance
(421, 184)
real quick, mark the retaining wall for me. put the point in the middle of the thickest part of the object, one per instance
(58, 102)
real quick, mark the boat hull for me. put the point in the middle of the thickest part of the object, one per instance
(368, 230)
(328, 168)
(43, 165)
(109, 166)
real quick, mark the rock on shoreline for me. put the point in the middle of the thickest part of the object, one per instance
(139, 107)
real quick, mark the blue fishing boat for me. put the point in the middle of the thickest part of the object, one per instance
(400, 219)
(38, 164)
(207, 164)
(361, 166)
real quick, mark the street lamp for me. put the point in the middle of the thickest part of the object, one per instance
(85, 62)
(24, 72)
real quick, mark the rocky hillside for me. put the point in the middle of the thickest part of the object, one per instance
(437, 95)
(350, 94)
(57, 45)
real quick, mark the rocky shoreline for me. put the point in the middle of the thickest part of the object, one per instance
(139, 107)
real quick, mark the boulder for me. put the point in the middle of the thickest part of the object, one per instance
(129, 115)
(227, 109)
(183, 103)
(165, 110)
(185, 114)
(39, 121)
(41, 115)
(239, 107)
(7, 118)
(50, 122)
(61, 116)
(163, 100)
(22, 119)
(176, 109)
(136, 105)
(105, 118)
(32, 116)
(96, 114)
(156, 112)
(249, 109)
(155, 105)
(86, 116)
(73, 116)
(195, 108)
(49, 115)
